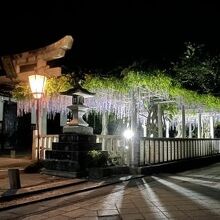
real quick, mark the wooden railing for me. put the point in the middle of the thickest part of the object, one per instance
(45, 143)
(116, 147)
(160, 150)
(152, 150)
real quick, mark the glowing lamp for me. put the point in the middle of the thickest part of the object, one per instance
(37, 84)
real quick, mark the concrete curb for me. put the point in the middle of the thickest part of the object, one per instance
(122, 179)
(12, 196)
(179, 165)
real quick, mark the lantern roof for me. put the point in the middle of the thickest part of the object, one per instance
(78, 90)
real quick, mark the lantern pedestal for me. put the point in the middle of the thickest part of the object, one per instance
(78, 130)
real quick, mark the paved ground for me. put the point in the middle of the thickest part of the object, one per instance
(27, 180)
(188, 195)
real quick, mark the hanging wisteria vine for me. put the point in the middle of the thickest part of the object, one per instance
(114, 95)
(53, 105)
(110, 101)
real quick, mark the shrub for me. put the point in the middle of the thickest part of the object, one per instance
(114, 160)
(97, 158)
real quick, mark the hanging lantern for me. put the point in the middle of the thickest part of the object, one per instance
(37, 84)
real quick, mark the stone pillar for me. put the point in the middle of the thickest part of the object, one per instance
(167, 128)
(104, 129)
(199, 125)
(159, 121)
(135, 142)
(183, 122)
(43, 121)
(211, 127)
(14, 178)
(63, 119)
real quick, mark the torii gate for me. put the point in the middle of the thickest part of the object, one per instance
(18, 67)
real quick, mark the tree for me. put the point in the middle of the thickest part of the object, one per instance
(197, 70)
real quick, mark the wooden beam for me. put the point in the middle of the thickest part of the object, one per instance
(23, 77)
(19, 66)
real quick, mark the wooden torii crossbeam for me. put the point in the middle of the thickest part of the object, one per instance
(19, 66)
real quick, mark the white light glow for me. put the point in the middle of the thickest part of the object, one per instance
(128, 134)
(37, 84)
(197, 197)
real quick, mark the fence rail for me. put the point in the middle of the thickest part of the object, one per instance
(160, 150)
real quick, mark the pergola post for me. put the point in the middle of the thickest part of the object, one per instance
(159, 120)
(144, 129)
(104, 129)
(183, 121)
(135, 144)
(167, 128)
(211, 127)
(199, 125)
(190, 130)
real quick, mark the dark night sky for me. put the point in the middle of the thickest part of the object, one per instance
(108, 33)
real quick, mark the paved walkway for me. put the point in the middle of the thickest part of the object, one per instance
(27, 180)
(188, 195)
(8, 162)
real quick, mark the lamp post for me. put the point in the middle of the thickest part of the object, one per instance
(37, 84)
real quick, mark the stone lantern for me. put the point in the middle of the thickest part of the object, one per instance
(69, 156)
(77, 124)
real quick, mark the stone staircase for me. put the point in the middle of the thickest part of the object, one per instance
(70, 154)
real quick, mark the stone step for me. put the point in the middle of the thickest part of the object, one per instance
(71, 152)
(65, 155)
(57, 158)
(82, 146)
(62, 173)
(61, 165)
(80, 156)
(71, 137)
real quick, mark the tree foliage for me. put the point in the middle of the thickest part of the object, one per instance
(197, 70)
